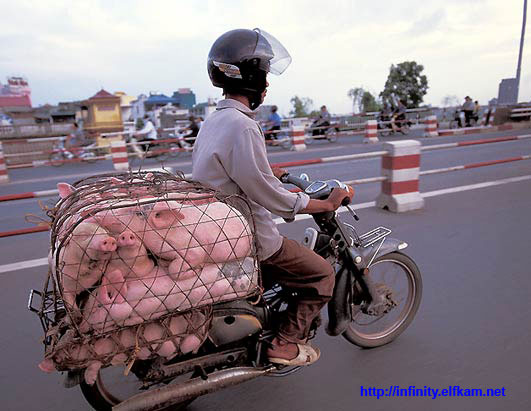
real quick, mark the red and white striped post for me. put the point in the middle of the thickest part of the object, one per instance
(401, 166)
(119, 155)
(431, 127)
(297, 138)
(4, 178)
(371, 132)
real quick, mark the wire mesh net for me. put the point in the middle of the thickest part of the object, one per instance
(136, 262)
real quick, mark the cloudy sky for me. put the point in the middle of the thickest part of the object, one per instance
(68, 50)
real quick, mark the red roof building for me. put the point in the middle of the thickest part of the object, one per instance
(15, 101)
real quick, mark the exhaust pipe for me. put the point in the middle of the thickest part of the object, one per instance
(176, 393)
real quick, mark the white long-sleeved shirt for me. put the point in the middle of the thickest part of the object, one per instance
(148, 131)
(230, 155)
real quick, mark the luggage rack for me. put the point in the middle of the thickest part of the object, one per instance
(373, 236)
(50, 308)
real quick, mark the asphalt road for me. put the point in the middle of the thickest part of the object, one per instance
(472, 328)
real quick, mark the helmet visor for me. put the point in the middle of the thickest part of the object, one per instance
(269, 46)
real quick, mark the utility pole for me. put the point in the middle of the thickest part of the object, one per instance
(518, 69)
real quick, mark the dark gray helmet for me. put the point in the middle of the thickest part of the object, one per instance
(239, 61)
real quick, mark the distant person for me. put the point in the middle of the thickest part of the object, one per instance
(475, 114)
(200, 122)
(321, 122)
(192, 129)
(468, 109)
(273, 124)
(148, 133)
(76, 140)
(399, 116)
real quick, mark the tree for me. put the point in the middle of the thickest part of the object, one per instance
(356, 94)
(406, 82)
(369, 103)
(301, 106)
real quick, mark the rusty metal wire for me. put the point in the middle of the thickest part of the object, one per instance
(136, 262)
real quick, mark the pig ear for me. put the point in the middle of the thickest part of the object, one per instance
(164, 218)
(65, 189)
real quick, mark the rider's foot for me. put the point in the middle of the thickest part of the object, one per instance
(287, 353)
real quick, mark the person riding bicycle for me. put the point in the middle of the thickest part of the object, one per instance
(399, 116)
(273, 124)
(320, 124)
(147, 134)
(230, 156)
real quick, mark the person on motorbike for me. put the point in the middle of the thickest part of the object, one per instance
(273, 124)
(384, 116)
(192, 129)
(399, 116)
(147, 134)
(468, 109)
(321, 122)
(230, 156)
(75, 141)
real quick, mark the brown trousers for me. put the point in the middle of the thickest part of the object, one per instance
(298, 268)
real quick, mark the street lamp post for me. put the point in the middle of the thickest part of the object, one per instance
(518, 69)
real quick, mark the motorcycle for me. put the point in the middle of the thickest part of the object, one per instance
(60, 155)
(328, 132)
(368, 308)
(161, 150)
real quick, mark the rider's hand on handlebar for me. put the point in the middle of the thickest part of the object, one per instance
(339, 197)
(279, 172)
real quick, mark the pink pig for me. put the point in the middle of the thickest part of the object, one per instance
(83, 259)
(192, 235)
(131, 257)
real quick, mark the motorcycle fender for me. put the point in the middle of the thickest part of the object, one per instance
(389, 245)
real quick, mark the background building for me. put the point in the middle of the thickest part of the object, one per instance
(184, 98)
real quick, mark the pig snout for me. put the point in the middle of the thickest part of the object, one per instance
(107, 244)
(126, 239)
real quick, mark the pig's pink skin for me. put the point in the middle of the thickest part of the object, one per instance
(91, 373)
(47, 366)
(179, 269)
(178, 325)
(101, 313)
(65, 189)
(120, 219)
(190, 343)
(83, 259)
(131, 256)
(193, 232)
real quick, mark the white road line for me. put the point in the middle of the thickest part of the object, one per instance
(23, 264)
(474, 186)
(6, 268)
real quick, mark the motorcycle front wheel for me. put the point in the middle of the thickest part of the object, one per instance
(112, 387)
(398, 279)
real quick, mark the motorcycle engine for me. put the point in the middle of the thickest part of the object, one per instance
(232, 322)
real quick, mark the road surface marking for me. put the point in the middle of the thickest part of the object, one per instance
(6, 268)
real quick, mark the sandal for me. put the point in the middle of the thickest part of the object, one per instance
(307, 355)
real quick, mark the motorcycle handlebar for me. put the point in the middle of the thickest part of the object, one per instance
(303, 184)
(296, 181)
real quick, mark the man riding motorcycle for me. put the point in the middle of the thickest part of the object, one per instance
(230, 155)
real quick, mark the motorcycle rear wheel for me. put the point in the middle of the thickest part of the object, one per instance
(57, 159)
(367, 336)
(112, 387)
